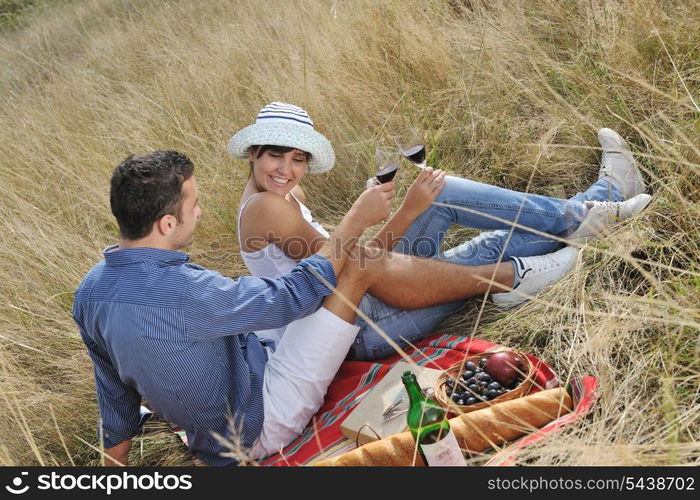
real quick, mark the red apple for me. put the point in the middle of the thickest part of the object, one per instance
(503, 367)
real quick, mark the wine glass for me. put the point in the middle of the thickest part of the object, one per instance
(388, 161)
(412, 146)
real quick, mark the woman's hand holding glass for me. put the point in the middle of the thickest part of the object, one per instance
(373, 205)
(387, 161)
(423, 191)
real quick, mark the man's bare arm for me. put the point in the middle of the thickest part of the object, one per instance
(118, 455)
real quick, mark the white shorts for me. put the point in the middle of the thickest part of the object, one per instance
(297, 376)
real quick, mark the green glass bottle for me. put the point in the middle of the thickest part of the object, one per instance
(428, 423)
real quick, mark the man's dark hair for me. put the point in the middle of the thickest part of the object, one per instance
(146, 187)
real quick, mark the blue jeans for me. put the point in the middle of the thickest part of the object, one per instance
(479, 206)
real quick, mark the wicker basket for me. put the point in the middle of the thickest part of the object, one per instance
(442, 393)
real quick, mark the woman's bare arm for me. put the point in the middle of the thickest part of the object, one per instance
(270, 218)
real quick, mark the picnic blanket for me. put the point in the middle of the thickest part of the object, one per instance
(323, 438)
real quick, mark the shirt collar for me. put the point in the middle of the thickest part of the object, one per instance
(116, 257)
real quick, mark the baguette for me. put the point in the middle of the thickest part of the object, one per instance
(475, 431)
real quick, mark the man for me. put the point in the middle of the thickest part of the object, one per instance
(178, 335)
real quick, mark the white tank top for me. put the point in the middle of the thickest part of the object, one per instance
(271, 261)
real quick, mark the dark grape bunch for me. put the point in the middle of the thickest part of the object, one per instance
(476, 385)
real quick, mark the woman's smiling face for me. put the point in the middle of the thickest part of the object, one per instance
(276, 171)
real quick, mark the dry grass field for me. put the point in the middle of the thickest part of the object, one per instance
(511, 93)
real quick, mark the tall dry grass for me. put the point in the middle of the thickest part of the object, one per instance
(512, 93)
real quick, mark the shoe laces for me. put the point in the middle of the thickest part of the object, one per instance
(609, 207)
(607, 160)
(537, 264)
(547, 262)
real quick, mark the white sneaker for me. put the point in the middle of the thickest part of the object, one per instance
(535, 273)
(603, 215)
(617, 162)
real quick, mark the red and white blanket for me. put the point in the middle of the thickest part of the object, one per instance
(323, 438)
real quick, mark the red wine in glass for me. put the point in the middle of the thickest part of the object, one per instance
(411, 143)
(387, 161)
(387, 174)
(415, 154)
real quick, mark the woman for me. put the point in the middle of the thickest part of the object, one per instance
(276, 229)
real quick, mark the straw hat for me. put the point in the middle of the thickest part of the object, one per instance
(281, 124)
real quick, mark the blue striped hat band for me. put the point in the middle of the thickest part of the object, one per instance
(279, 111)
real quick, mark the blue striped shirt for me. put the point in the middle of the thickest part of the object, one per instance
(177, 334)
